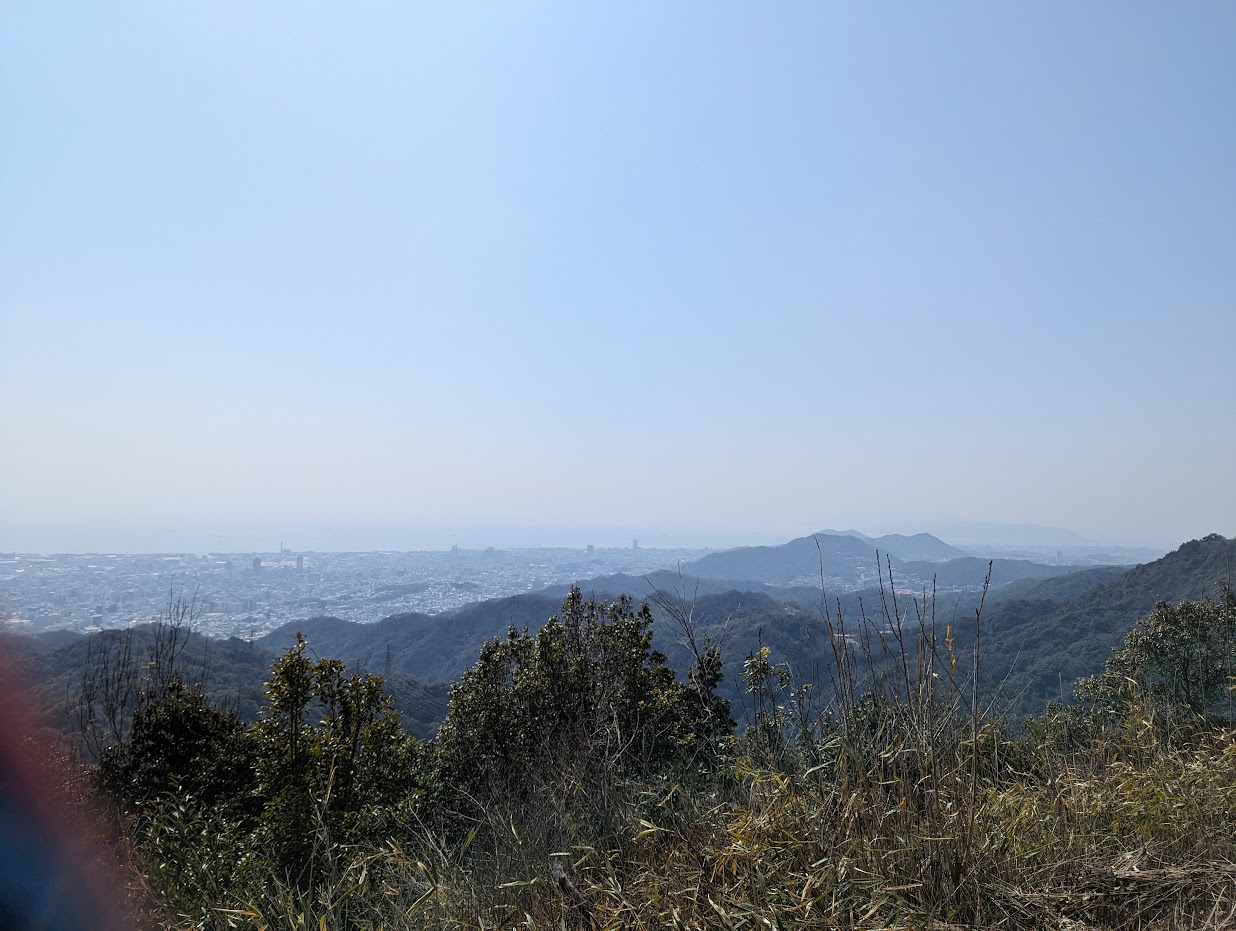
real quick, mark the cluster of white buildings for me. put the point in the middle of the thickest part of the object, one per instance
(245, 595)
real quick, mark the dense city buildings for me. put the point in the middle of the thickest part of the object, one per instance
(82, 592)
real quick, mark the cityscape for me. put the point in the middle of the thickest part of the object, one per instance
(247, 595)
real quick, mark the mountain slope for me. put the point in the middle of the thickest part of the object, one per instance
(969, 571)
(1039, 648)
(1060, 589)
(437, 648)
(844, 557)
(233, 673)
(917, 546)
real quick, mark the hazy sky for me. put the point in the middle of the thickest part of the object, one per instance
(694, 271)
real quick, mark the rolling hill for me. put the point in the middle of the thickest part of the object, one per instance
(856, 561)
(969, 572)
(843, 557)
(1040, 632)
(437, 648)
(916, 547)
(233, 673)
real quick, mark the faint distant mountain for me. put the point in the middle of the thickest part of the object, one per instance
(1126, 556)
(978, 532)
(857, 560)
(918, 547)
(844, 557)
(856, 534)
(921, 547)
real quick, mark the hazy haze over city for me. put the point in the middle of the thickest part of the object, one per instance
(388, 276)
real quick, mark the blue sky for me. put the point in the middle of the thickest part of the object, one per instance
(695, 272)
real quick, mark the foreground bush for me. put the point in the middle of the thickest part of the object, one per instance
(578, 783)
(549, 736)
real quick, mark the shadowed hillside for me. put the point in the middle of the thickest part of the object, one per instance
(1039, 634)
(438, 648)
(1039, 647)
(858, 562)
(233, 673)
(970, 571)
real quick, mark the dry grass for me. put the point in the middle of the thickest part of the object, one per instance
(905, 803)
(1123, 848)
(1099, 843)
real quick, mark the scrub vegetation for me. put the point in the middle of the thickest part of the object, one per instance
(580, 782)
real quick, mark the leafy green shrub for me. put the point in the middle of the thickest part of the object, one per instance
(578, 783)
(1176, 667)
(331, 757)
(543, 732)
(178, 744)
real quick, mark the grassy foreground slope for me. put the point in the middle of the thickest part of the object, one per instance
(579, 782)
(1038, 635)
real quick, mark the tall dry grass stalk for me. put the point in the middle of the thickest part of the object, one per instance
(889, 794)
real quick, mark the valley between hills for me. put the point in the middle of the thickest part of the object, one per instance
(1043, 624)
(965, 743)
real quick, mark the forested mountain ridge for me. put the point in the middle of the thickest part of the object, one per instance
(232, 673)
(971, 571)
(1060, 588)
(580, 737)
(914, 547)
(855, 560)
(1038, 648)
(1039, 635)
(433, 648)
(1036, 643)
(801, 558)
(441, 648)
